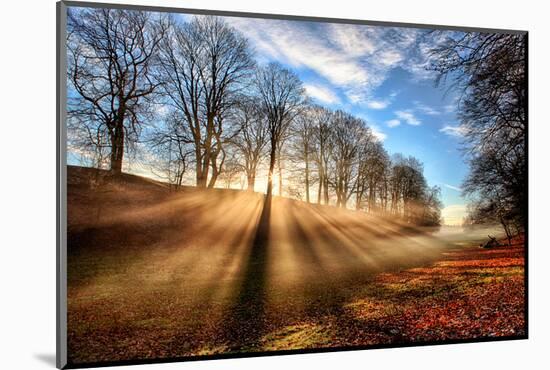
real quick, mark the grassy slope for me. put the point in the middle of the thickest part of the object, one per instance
(160, 274)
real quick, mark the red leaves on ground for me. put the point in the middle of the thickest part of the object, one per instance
(471, 293)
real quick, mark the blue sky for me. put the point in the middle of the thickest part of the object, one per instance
(379, 74)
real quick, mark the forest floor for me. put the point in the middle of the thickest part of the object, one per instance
(160, 274)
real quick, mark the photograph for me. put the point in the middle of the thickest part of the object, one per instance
(243, 184)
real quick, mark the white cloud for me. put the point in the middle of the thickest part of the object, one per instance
(378, 104)
(408, 116)
(418, 61)
(377, 132)
(450, 108)
(454, 214)
(302, 44)
(351, 38)
(426, 109)
(390, 57)
(374, 103)
(321, 93)
(455, 131)
(456, 188)
(393, 123)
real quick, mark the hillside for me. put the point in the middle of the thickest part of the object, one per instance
(139, 211)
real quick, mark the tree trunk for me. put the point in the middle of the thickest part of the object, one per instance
(325, 186)
(320, 186)
(117, 149)
(200, 178)
(272, 158)
(371, 197)
(307, 177)
(339, 193)
(280, 171)
(507, 230)
(343, 198)
(358, 199)
(205, 164)
(321, 171)
(215, 171)
(251, 181)
(180, 179)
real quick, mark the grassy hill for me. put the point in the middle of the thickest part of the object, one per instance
(133, 211)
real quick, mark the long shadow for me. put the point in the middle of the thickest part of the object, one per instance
(319, 294)
(246, 322)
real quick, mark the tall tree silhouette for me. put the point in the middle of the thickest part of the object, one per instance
(281, 95)
(110, 55)
(204, 64)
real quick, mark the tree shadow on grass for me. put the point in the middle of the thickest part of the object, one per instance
(246, 319)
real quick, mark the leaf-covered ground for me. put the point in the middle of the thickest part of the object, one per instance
(154, 274)
(470, 293)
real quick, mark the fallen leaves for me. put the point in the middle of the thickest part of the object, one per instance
(464, 296)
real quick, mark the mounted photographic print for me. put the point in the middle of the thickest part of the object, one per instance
(234, 184)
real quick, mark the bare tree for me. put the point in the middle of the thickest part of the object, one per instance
(410, 194)
(489, 69)
(496, 190)
(232, 171)
(281, 96)
(302, 132)
(110, 55)
(322, 149)
(372, 169)
(170, 142)
(252, 138)
(204, 66)
(431, 207)
(349, 136)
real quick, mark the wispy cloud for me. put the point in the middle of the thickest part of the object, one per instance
(305, 45)
(456, 188)
(391, 57)
(408, 117)
(354, 58)
(374, 103)
(378, 104)
(352, 40)
(322, 93)
(426, 109)
(455, 131)
(450, 108)
(393, 123)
